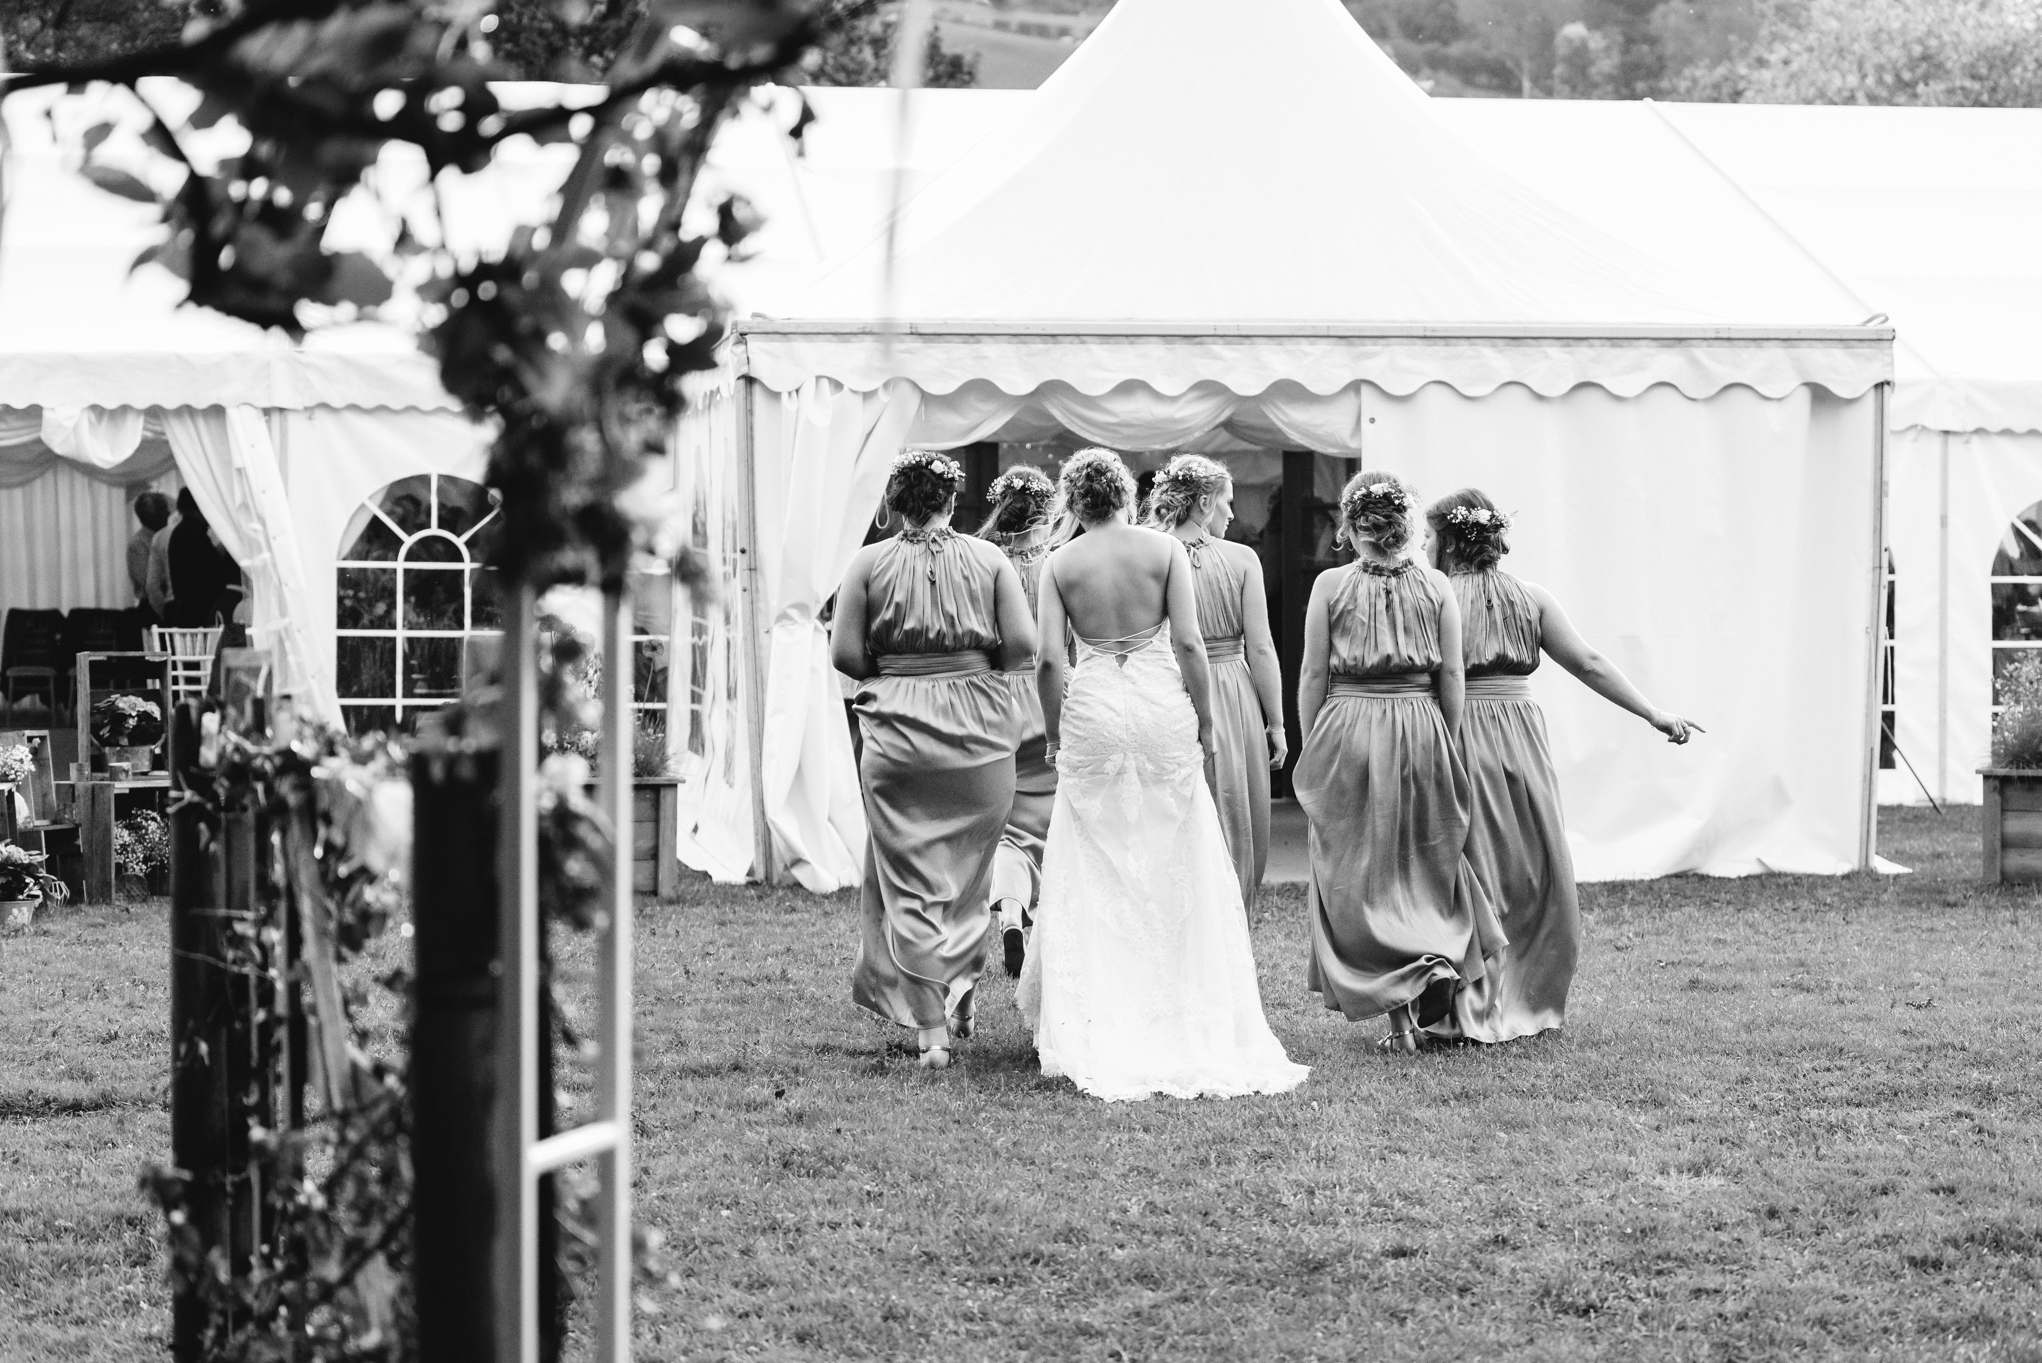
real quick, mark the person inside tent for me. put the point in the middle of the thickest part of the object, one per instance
(152, 509)
(200, 570)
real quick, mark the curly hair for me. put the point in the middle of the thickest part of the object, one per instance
(1475, 538)
(922, 483)
(1094, 484)
(1020, 500)
(1376, 506)
(1183, 482)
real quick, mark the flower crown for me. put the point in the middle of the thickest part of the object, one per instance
(1385, 496)
(1477, 521)
(938, 463)
(1191, 469)
(1022, 481)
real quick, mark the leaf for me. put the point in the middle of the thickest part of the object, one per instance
(121, 183)
(355, 279)
(95, 135)
(740, 21)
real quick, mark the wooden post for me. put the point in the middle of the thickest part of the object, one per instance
(453, 1042)
(198, 999)
(95, 815)
(514, 1116)
(751, 599)
(666, 848)
(612, 1308)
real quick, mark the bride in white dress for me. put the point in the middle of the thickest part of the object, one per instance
(1141, 978)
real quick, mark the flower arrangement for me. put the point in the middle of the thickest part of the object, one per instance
(141, 844)
(2017, 733)
(1383, 496)
(125, 721)
(16, 764)
(1477, 519)
(938, 463)
(22, 876)
(1023, 480)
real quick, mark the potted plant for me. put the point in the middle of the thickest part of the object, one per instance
(141, 851)
(2012, 813)
(128, 728)
(17, 768)
(24, 885)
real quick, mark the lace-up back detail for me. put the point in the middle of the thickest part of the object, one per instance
(1384, 622)
(931, 592)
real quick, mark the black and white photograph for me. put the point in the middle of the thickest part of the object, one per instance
(948, 680)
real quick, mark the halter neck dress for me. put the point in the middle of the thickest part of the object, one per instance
(937, 767)
(1517, 840)
(1240, 768)
(1017, 865)
(1394, 911)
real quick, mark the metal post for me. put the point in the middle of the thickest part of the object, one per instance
(1868, 821)
(1943, 621)
(453, 1039)
(515, 1116)
(613, 1078)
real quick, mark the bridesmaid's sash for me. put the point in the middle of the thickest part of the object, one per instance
(1224, 650)
(1396, 684)
(970, 663)
(1501, 687)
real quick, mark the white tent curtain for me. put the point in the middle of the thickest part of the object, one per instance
(1752, 514)
(63, 540)
(229, 462)
(714, 761)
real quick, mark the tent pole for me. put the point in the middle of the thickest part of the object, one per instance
(1943, 621)
(749, 590)
(1868, 816)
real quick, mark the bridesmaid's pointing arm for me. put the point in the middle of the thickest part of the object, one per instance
(1565, 646)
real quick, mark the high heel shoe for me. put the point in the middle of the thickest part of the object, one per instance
(964, 1021)
(935, 1058)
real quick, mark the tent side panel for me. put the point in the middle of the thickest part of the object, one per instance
(1719, 552)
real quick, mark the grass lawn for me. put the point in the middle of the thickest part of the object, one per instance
(1789, 1117)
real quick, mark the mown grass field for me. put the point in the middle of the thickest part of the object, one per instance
(1789, 1118)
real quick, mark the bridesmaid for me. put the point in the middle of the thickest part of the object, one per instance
(929, 621)
(1398, 926)
(1194, 500)
(1020, 526)
(1517, 841)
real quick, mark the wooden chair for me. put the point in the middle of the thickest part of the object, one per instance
(32, 656)
(191, 658)
(48, 829)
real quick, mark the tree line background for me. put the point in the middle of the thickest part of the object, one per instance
(1976, 52)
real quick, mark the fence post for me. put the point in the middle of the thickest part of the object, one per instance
(453, 1047)
(198, 1004)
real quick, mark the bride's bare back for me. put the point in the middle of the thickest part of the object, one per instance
(1114, 581)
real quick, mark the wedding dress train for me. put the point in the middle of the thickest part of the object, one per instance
(1141, 977)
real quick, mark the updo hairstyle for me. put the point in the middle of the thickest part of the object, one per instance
(1095, 484)
(1376, 506)
(922, 484)
(1020, 500)
(1184, 481)
(1470, 529)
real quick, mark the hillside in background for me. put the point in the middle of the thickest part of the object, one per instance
(1968, 52)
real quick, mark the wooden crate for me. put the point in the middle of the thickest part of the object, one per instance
(655, 849)
(111, 674)
(2012, 825)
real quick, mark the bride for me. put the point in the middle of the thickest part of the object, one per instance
(1141, 978)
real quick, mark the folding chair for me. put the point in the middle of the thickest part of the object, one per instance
(32, 656)
(191, 658)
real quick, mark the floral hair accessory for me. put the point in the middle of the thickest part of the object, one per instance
(1477, 520)
(1022, 481)
(942, 465)
(1385, 496)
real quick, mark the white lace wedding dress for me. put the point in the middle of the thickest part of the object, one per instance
(1141, 978)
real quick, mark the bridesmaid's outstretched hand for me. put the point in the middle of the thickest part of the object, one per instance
(1676, 729)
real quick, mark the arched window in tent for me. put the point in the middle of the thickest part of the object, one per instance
(2016, 596)
(410, 594)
